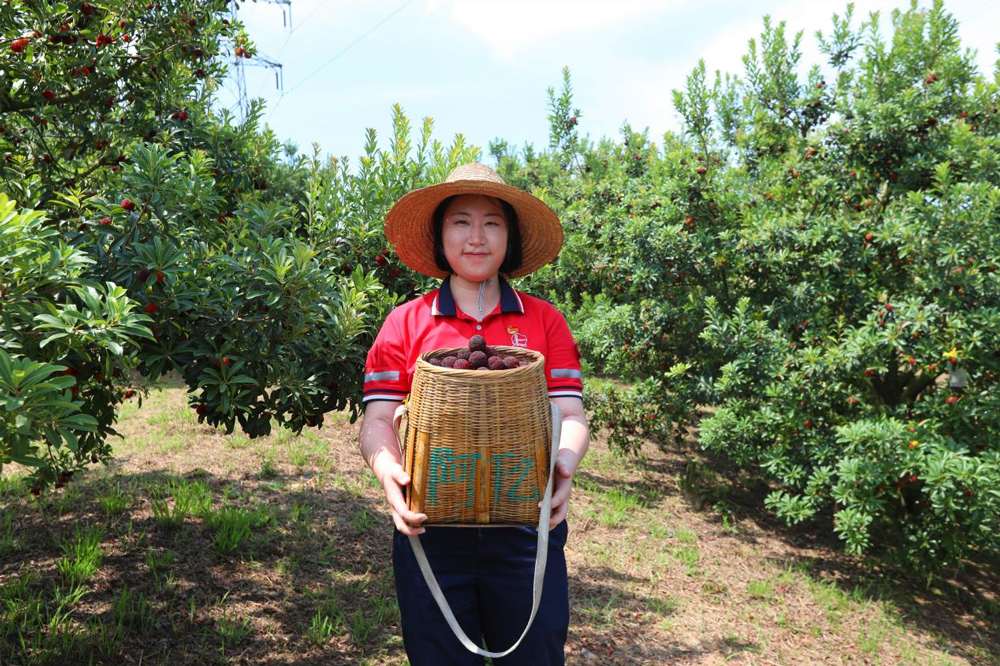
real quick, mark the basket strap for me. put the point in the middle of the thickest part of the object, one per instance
(540, 558)
(398, 416)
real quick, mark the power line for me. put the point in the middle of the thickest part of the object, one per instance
(338, 54)
(291, 32)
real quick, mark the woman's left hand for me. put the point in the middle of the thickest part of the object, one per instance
(562, 486)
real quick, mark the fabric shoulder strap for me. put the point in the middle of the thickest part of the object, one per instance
(541, 557)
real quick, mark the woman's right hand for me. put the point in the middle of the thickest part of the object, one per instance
(380, 447)
(393, 478)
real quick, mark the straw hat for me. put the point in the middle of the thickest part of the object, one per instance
(409, 225)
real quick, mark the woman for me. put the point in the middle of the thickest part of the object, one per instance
(472, 230)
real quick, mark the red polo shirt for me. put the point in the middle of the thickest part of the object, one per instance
(435, 321)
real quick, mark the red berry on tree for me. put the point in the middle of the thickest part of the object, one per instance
(48, 95)
(105, 220)
(128, 205)
(159, 276)
(151, 308)
(18, 45)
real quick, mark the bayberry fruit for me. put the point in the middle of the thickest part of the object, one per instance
(496, 363)
(510, 362)
(151, 308)
(477, 343)
(463, 354)
(461, 364)
(435, 361)
(448, 361)
(478, 359)
(128, 205)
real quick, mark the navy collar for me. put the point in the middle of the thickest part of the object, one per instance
(444, 302)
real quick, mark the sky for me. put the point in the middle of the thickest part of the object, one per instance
(482, 68)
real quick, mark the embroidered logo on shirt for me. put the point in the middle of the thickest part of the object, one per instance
(517, 339)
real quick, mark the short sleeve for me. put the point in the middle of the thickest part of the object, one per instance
(385, 368)
(562, 363)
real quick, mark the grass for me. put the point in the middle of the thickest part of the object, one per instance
(277, 549)
(81, 556)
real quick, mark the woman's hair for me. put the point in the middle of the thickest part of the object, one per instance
(512, 259)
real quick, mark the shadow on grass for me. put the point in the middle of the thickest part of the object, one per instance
(600, 610)
(320, 550)
(960, 608)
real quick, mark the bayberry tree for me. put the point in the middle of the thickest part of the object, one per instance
(171, 237)
(815, 258)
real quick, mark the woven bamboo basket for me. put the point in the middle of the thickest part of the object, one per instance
(476, 444)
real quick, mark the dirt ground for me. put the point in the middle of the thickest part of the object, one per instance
(657, 576)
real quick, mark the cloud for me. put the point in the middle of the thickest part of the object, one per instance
(513, 28)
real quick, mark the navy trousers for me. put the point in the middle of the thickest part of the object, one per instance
(486, 576)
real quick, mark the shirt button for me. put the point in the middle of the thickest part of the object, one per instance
(479, 327)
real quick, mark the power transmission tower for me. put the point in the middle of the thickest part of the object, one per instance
(239, 62)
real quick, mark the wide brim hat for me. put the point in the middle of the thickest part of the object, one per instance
(409, 225)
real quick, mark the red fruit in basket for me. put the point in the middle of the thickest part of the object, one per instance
(435, 361)
(496, 363)
(462, 364)
(490, 351)
(510, 362)
(463, 354)
(448, 361)
(477, 359)
(521, 364)
(477, 343)
(483, 367)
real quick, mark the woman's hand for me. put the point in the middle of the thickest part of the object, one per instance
(561, 491)
(380, 448)
(393, 478)
(574, 441)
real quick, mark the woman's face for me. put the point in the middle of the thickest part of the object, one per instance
(474, 235)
